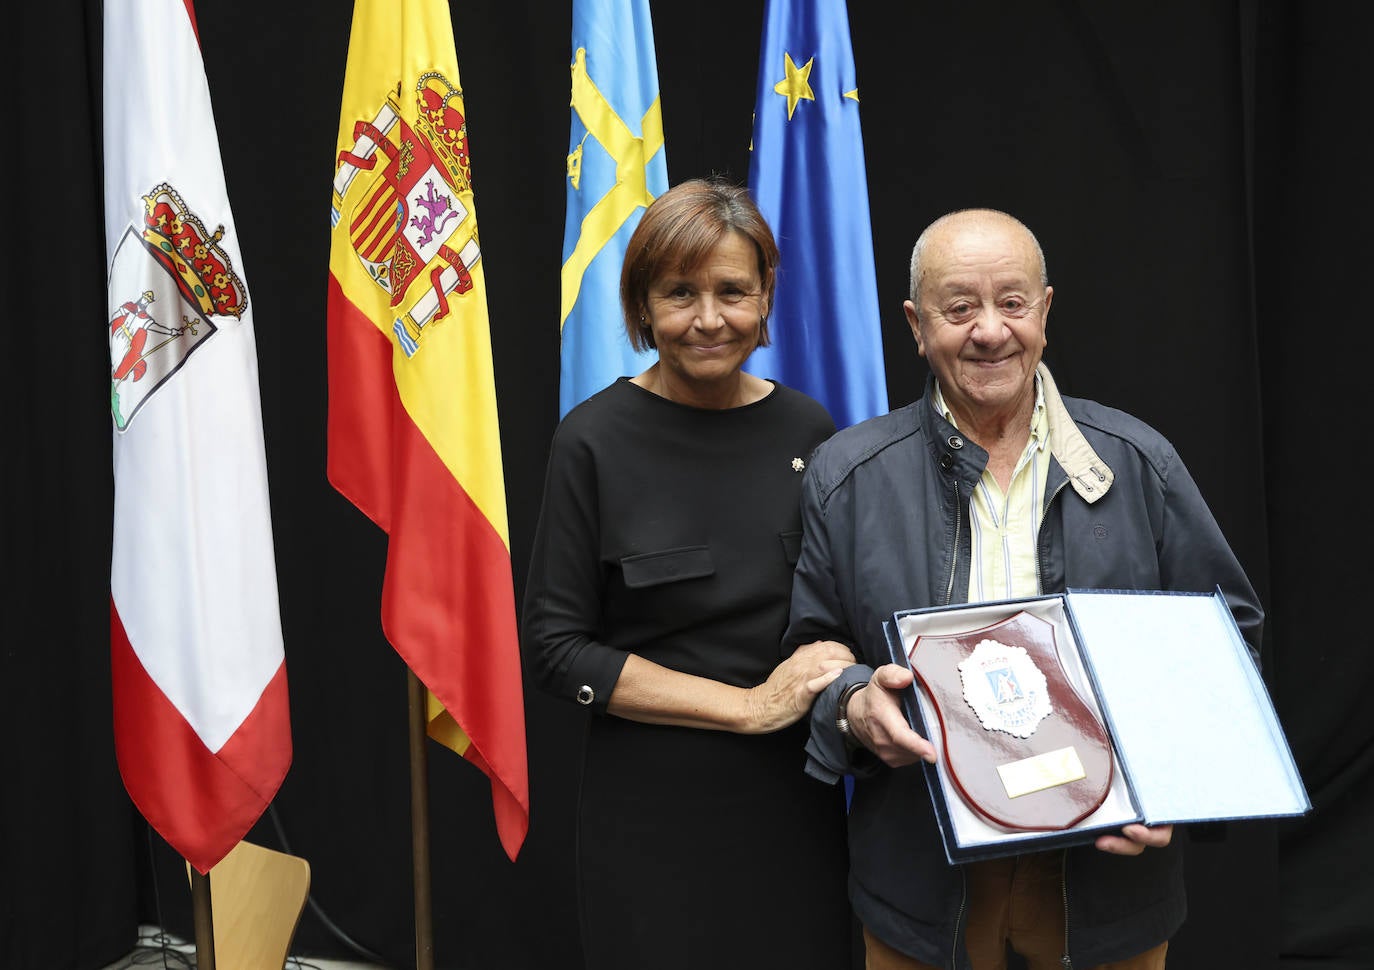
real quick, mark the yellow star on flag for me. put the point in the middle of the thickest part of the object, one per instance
(794, 86)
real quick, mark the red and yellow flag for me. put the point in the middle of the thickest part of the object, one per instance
(413, 435)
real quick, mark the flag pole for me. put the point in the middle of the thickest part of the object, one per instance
(419, 823)
(204, 919)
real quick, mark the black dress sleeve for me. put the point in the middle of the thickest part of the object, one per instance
(564, 592)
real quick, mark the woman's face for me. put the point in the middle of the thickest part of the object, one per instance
(706, 322)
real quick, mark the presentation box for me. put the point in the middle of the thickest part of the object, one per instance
(1057, 719)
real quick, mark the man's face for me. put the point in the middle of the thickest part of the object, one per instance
(981, 322)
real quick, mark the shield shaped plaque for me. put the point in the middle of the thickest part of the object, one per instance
(1021, 747)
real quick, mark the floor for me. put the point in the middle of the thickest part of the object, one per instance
(155, 950)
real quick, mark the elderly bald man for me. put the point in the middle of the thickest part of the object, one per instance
(992, 486)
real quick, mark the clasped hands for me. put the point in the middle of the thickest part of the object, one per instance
(877, 721)
(788, 693)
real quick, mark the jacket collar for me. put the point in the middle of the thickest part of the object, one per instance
(1090, 476)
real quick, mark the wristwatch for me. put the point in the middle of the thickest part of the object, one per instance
(842, 710)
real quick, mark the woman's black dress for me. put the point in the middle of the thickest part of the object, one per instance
(671, 532)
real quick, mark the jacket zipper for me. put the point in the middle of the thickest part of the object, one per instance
(958, 531)
(1064, 960)
(1040, 580)
(959, 922)
(949, 594)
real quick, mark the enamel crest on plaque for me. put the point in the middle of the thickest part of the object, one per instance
(1005, 688)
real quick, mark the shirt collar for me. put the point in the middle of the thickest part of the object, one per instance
(1040, 421)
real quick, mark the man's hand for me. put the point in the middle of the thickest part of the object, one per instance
(1137, 839)
(877, 722)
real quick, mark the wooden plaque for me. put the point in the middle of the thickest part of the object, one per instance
(1021, 746)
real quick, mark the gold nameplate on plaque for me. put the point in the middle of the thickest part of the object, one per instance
(1040, 772)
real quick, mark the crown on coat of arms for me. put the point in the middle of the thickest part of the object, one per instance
(202, 269)
(441, 118)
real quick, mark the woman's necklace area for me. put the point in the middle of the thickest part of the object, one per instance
(738, 397)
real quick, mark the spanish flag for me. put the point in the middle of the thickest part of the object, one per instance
(413, 435)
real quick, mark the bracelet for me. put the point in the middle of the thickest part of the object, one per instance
(842, 708)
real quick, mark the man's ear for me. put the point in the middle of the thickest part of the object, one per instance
(913, 320)
(1045, 316)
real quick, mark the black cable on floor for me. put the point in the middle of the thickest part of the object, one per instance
(150, 949)
(184, 961)
(161, 937)
(329, 924)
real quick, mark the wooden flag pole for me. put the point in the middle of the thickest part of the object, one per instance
(204, 919)
(419, 823)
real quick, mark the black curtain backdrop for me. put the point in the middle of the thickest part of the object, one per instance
(1196, 172)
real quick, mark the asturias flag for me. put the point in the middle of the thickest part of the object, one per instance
(202, 729)
(807, 175)
(616, 167)
(413, 435)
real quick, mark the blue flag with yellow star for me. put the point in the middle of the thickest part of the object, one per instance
(807, 175)
(616, 167)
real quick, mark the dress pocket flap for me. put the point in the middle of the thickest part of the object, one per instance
(791, 546)
(668, 566)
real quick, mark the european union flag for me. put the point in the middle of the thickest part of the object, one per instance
(616, 167)
(807, 175)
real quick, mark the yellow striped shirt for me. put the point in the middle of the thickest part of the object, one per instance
(1005, 527)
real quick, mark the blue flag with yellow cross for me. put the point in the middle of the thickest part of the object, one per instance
(806, 172)
(616, 167)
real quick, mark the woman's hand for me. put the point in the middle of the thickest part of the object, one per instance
(786, 696)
